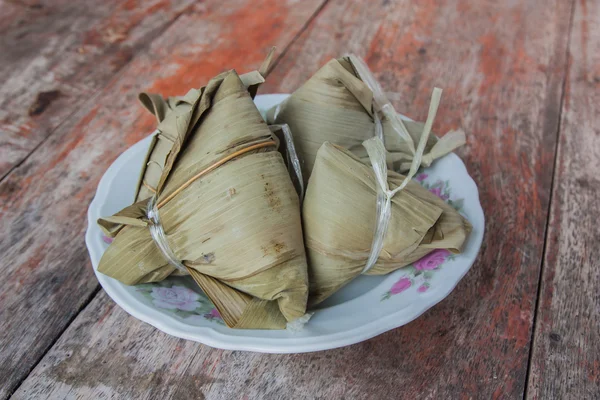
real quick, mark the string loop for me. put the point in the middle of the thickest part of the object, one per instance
(160, 238)
(377, 153)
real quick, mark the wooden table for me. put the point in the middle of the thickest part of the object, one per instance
(521, 77)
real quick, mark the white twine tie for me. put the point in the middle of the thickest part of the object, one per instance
(377, 153)
(160, 238)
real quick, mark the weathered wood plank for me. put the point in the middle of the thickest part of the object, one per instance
(565, 362)
(502, 65)
(182, 369)
(43, 202)
(56, 54)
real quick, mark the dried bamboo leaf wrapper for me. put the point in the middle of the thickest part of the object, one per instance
(237, 229)
(168, 131)
(339, 216)
(336, 106)
(216, 220)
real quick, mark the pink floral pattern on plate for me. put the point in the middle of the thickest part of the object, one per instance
(441, 189)
(419, 274)
(178, 296)
(175, 298)
(181, 297)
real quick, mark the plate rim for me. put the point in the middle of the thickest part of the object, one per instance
(213, 338)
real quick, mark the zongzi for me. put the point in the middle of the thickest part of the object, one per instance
(339, 217)
(215, 201)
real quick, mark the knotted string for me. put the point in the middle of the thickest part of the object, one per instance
(377, 153)
(160, 238)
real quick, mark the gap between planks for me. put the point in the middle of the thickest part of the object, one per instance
(87, 301)
(551, 197)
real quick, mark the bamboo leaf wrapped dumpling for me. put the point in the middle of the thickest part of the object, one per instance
(336, 105)
(357, 218)
(339, 217)
(227, 207)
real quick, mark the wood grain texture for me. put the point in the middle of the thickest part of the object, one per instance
(502, 65)
(46, 272)
(565, 362)
(56, 54)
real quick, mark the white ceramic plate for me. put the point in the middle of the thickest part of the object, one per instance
(368, 306)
